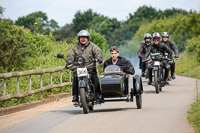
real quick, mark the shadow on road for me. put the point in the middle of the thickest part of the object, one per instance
(72, 112)
(80, 111)
(111, 110)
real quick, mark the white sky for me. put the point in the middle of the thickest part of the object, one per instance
(63, 11)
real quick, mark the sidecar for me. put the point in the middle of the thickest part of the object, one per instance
(115, 86)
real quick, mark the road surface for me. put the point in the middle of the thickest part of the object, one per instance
(165, 112)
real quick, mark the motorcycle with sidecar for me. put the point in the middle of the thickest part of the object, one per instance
(114, 86)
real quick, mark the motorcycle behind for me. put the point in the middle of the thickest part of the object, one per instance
(158, 70)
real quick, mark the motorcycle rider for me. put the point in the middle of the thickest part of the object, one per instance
(157, 47)
(89, 51)
(115, 59)
(172, 46)
(144, 45)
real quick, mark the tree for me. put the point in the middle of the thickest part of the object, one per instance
(1, 10)
(37, 20)
(83, 20)
(65, 33)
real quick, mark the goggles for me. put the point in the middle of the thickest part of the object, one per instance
(156, 40)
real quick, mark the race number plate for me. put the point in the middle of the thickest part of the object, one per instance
(156, 63)
(82, 72)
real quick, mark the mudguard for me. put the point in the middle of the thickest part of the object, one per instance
(155, 68)
(82, 84)
(137, 85)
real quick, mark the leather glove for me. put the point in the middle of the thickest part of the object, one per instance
(99, 60)
(68, 65)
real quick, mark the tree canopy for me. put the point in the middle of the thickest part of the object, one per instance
(37, 21)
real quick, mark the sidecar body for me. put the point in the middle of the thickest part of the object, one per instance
(115, 83)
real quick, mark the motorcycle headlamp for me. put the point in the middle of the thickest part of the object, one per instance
(80, 60)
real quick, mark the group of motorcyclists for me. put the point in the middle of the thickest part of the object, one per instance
(89, 51)
(157, 46)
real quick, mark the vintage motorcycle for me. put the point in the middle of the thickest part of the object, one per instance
(158, 71)
(114, 86)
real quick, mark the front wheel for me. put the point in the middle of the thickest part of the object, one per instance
(139, 101)
(84, 101)
(157, 85)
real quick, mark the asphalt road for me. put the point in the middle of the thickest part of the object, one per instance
(161, 113)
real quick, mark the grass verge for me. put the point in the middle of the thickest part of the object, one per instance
(188, 66)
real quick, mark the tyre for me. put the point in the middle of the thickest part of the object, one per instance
(157, 85)
(139, 101)
(162, 79)
(83, 100)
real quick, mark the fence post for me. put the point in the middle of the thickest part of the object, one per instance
(51, 83)
(4, 87)
(17, 85)
(61, 80)
(197, 91)
(29, 82)
(41, 84)
(51, 78)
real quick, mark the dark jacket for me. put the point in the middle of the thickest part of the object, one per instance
(125, 64)
(143, 49)
(172, 46)
(158, 48)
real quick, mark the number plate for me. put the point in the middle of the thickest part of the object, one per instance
(82, 72)
(156, 63)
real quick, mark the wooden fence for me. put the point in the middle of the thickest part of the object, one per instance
(40, 72)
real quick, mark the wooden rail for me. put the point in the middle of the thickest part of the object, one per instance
(40, 72)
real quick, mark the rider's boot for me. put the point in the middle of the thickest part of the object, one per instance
(75, 98)
(166, 82)
(143, 74)
(149, 81)
(149, 77)
(172, 71)
(173, 76)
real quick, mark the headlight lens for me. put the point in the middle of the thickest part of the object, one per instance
(80, 60)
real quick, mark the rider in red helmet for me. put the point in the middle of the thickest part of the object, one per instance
(158, 47)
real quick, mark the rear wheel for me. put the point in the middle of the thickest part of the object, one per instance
(84, 103)
(139, 101)
(157, 85)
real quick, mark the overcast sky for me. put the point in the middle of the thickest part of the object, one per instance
(63, 11)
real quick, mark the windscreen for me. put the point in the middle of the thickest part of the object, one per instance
(112, 68)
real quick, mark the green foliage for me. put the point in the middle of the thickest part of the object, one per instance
(19, 45)
(89, 20)
(180, 28)
(187, 65)
(193, 47)
(107, 27)
(194, 116)
(23, 50)
(65, 33)
(116, 33)
(37, 21)
(83, 20)
(1, 10)
(99, 40)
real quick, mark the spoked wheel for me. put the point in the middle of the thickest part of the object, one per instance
(139, 101)
(83, 100)
(157, 84)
